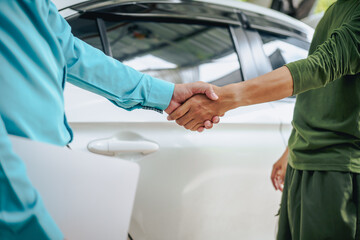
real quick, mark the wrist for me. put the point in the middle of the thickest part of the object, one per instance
(228, 97)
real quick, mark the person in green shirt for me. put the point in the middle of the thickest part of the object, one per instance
(321, 195)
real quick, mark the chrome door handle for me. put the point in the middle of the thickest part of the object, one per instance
(111, 146)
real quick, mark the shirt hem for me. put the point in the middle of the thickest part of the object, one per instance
(325, 167)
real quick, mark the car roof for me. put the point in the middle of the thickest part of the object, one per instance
(70, 7)
(249, 7)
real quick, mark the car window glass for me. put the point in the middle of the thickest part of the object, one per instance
(283, 49)
(86, 30)
(175, 52)
(263, 22)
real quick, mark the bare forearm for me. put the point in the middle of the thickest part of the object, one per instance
(269, 87)
(273, 86)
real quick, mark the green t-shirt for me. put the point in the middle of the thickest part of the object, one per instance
(326, 127)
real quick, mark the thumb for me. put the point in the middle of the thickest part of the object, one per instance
(205, 88)
(211, 94)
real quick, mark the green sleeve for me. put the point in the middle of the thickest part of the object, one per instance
(338, 56)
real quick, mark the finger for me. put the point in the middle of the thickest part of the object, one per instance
(179, 112)
(200, 129)
(197, 126)
(273, 176)
(211, 94)
(204, 88)
(185, 119)
(208, 124)
(172, 106)
(190, 125)
(274, 171)
(282, 177)
(281, 187)
(215, 119)
(280, 183)
(274, 183)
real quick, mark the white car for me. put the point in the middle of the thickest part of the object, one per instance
(193, 186)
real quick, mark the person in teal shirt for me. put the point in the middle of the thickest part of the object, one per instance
(38, 54)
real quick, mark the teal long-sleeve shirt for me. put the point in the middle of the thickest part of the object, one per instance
(38, 54)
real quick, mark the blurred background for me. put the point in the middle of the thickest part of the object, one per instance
(308, 11)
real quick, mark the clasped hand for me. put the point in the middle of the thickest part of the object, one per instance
(200, 111)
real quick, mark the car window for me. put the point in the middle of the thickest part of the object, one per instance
(175, 52)
(86, 30)
(283, 49)
(263, 22)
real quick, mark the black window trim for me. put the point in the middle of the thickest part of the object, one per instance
(103, 36)
(158, 18)
(106, 8)
(232, 32)
(277, 31)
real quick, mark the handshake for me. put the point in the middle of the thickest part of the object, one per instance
(198, 105)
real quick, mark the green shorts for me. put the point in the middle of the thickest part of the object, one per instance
(320, 205)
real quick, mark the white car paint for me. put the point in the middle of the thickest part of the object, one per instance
(61, 4)
(72, 192)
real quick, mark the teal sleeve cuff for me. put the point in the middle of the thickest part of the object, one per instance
(160, 93)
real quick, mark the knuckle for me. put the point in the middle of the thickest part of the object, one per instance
(179, 122)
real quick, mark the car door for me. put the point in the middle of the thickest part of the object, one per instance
(211, 185)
